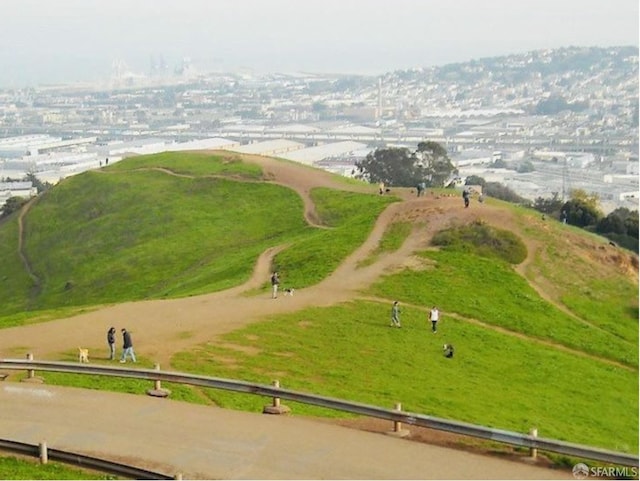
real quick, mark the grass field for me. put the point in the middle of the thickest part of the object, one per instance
(566, 364)
(350, 352)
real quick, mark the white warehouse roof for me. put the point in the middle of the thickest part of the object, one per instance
(269, 147)
(314, 154)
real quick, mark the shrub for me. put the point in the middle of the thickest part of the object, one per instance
(484, 240)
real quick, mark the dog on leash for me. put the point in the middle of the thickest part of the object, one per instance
(447, 350)
(83, 355)
(289, 291)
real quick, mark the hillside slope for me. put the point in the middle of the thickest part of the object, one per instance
(568, 276)
(158, 322)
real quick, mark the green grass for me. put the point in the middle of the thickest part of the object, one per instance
(312, 258)
(592, 290)
(17, 468)
(392, 239)
(349, 352)
(14, 280)
(490, 291)
(145, 234)
(188, 163)
(171, 237)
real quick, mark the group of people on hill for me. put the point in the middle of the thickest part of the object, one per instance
(433, 317)
(127, 345)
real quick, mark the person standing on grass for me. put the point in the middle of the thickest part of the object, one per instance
(111, 340)
(127, 347)
(275, 282)
(434, 317)
(395, 315)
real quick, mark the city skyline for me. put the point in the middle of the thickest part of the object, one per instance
(66, 41)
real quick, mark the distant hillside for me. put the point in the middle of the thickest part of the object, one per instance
(617, 62)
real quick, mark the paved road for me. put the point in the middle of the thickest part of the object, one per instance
(204, 442)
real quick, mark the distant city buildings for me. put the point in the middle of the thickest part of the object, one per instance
(570, 114)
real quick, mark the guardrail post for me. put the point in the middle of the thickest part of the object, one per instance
(44, 454)
(533, 452)
(276, 407)
(397, 425)
(157, 390)
(31, 374)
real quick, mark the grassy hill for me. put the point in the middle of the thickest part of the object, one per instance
(543, 316)
(166, 226)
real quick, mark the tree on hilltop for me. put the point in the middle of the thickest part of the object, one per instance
(582, 210)
(401, 167)
(434, 158)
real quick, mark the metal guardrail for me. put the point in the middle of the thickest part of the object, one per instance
(397, 416)
(82, 461)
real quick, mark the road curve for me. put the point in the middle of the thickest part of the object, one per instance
(203, 442)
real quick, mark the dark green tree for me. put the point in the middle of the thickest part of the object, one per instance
(475, 180)
(502, 192)
(620, 221)
(401, 167)
(393, 166)
(526, 166)
(581, 213)
(37, 183)
(548, 206)
(632, 224)
(12, 204)
(435, 159)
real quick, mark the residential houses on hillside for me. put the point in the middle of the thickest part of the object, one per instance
(575, 126)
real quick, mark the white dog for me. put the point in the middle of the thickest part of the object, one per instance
(289, 291)
(83, 355)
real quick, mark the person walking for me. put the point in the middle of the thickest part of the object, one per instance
(465, 195)
(127, 347)
(111, 340)
(275, 282)
(395, 315)
(434, 317)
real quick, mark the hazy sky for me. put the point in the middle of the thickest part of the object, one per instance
(50, 41)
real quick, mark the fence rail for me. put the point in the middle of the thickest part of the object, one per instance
(397, 416)
(80, 460)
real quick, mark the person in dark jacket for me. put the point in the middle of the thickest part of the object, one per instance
(466, 195)
(127, 347)
(111, 340)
